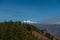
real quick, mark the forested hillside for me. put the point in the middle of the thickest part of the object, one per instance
(22, 31)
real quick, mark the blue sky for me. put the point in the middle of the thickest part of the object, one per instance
(36, 10)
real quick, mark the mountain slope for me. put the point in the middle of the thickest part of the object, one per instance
(22, 31)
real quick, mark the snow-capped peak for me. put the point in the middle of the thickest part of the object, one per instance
(28, 21)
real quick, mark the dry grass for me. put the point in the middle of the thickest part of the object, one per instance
(40, 36)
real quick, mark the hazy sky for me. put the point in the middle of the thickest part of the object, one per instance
(36, 10)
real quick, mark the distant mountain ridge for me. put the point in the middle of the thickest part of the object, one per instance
(53, 28)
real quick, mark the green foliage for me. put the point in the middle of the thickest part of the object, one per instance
(16, 31)
(19, 31)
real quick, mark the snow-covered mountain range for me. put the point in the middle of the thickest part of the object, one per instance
(28, 21)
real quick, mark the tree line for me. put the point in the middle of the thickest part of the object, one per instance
(10, 30)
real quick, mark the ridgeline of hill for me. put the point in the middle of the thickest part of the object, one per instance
(22, 31)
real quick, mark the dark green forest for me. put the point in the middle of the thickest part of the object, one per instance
(10, 30)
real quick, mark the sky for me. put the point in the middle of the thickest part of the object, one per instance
(44, 11)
